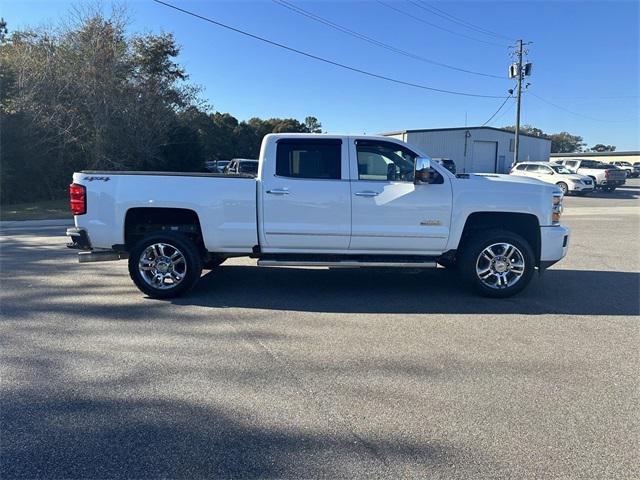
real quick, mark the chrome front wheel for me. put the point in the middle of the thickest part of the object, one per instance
(500, 265)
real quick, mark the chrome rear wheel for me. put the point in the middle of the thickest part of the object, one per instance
(165, 265)
(162, 266)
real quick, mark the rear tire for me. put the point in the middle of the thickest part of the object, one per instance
(497, 263)
(165, 265)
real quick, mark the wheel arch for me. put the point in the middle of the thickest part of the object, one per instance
(524, 224)
(143, 221)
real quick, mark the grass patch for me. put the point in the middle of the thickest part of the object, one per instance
(42, 210)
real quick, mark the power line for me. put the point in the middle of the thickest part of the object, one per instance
(453, 32)
(447, 16)
(325, 60)
(507, 110)
(559, 107)
(498, 110)
(335, 26)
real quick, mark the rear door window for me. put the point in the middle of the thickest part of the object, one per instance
(320, 159)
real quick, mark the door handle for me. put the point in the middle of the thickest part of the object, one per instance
(367, 194)
(278, 191)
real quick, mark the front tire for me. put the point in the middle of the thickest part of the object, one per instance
(165, 265)
(497, 263)
(564, 187)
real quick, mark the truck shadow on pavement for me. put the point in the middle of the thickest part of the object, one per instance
(574, 292)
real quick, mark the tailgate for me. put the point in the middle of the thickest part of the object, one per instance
(616, 174)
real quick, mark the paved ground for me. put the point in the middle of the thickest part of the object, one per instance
(315, 373)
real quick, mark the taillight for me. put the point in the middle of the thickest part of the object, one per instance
(606, 173)
(78, 199)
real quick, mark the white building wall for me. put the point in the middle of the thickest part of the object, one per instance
(458, 145)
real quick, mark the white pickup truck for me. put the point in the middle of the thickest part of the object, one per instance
(605, 176)
(321, 200)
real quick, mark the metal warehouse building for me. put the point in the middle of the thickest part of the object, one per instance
(476, 149)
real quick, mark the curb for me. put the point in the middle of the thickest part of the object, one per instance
(61, 222)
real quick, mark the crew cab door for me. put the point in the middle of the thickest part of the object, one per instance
(391, 214)
(305, 195)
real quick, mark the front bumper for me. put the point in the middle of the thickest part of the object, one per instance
(554, 243)
(580, 187)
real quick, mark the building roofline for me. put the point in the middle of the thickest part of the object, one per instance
(596, 154)
(420, 130)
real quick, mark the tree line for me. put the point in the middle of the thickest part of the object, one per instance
(562, 142)
(87, 95)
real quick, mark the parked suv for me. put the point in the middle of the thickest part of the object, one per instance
(559, 175)
(606, 177)
(447, 163)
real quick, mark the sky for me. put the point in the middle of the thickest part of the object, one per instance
(585, 57)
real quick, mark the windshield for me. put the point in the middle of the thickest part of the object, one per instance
(561, 169)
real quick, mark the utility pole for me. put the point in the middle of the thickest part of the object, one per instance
(519, 71)
(516, 146)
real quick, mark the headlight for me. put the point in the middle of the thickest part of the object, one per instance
(556, 209)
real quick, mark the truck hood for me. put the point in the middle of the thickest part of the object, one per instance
(495, 179)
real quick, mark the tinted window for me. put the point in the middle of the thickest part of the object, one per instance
(249, 167)
(522, 167)
(589, 164)
(309, 159)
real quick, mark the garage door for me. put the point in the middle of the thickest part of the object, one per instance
(484, 157)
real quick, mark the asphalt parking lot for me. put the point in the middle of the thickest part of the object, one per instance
(316, 373)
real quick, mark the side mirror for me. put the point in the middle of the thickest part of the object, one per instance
(422, 170)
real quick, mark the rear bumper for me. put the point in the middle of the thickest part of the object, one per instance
(79, 239)
(612, 183)
(554, 243)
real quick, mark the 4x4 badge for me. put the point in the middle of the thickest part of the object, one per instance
(91, 179)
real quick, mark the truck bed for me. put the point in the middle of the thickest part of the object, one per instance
(225, 204)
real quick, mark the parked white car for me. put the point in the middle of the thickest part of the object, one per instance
(321, 200)
(559, 175)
